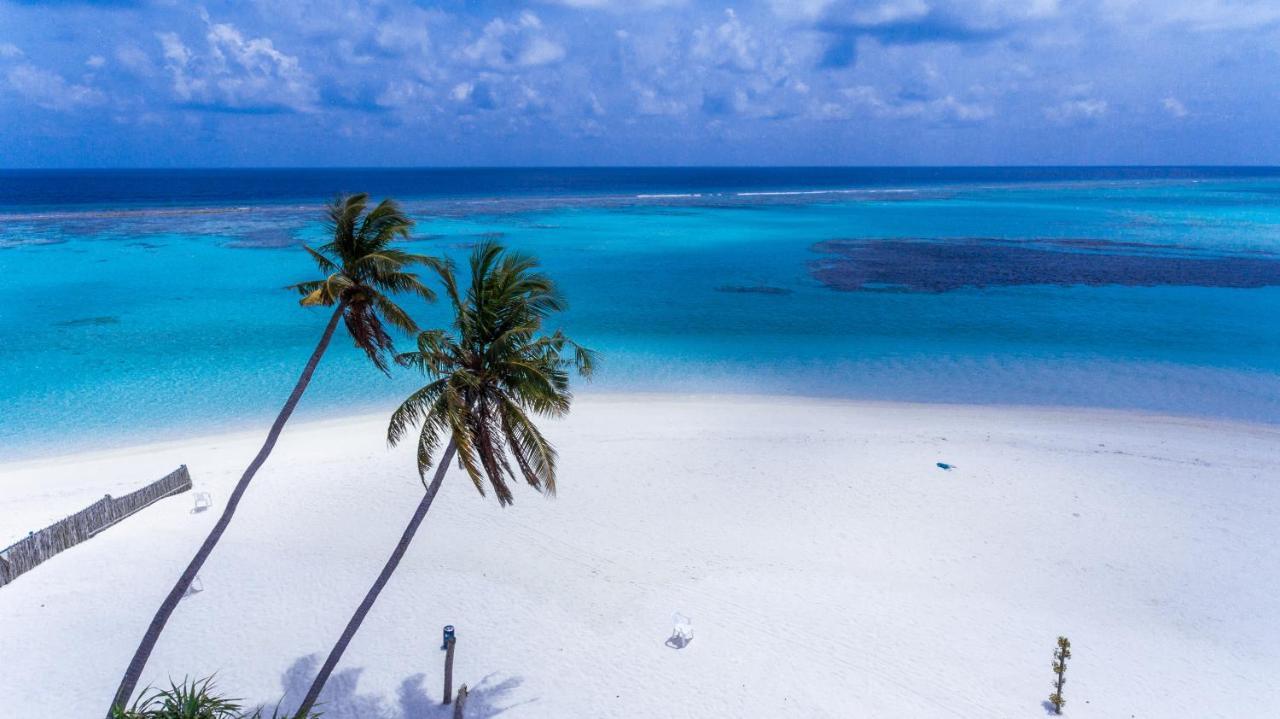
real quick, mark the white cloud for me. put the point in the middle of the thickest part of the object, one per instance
(943, 109)
(731, 66)
(619, 5)
(957, 111)
(505, 45)
(403, 38)
(650, 102)
(541, 51)
(236, 73)
(529, 100)
(406, 32)
(807, 10)
(135, 59)
(889, 11)
(50, 90)
(1199, 15)
(996, 13)
(960, 15)
(404, 93)
(1072, 112)
(176, 54)
(917, 61)
(729, 45)
(746, 102)
(594, 107)
(1174, 107)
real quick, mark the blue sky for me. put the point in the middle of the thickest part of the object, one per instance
(649, 82)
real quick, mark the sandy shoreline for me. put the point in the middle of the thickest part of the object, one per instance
(830, 567)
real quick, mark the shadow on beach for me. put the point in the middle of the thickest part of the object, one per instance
(339, 700)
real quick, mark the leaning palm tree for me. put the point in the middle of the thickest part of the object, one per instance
(361, 268)
(487, 379)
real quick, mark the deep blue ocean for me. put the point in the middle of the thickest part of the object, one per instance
(148, 304)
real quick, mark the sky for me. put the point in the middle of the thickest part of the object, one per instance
(162, 83)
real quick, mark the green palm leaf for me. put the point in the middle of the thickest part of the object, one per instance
(493, 374)
(362, 269)
(487, 379)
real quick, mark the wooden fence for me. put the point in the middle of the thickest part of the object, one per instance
(24, 554)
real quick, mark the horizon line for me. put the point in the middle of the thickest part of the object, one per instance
(1121, 166)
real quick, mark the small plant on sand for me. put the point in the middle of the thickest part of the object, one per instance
(192, 699)
(1060, 657)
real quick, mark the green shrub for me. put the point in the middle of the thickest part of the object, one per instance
(192, 699)
(1060, 657)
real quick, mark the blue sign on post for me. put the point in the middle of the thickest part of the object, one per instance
(448, 636)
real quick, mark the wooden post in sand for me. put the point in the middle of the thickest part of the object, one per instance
(448, 671)
(460, 706)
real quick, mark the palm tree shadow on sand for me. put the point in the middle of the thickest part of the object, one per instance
(490, 697)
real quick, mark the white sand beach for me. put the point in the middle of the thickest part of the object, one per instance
(830, 568)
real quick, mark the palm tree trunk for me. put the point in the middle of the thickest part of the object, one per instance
(149, 640)
(353, 625)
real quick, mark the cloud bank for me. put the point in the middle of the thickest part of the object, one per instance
(640, 82)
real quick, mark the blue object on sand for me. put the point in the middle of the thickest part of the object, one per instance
(944, 465)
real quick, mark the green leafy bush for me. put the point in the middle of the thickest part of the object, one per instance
(191, 699)
(1060, 657)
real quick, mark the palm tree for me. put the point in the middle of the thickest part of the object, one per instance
(487, 378)
(361, 268)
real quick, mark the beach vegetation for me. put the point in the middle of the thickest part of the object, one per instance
(488, 376)
(193, 699)
(1060, 657)
(361, 269)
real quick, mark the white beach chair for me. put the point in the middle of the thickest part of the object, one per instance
(203, 502)
(681, 632)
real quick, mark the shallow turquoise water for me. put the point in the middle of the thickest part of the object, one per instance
(116, 326)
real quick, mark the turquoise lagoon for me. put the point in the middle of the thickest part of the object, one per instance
(134, 309)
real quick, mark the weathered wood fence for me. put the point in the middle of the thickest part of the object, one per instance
(24, 554)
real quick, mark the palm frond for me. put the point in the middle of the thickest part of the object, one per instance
(492, 373)
(534, 454)
(305, 288)
(324, 263)
(393, 313)
(381, 226)
(361, 269)
(414, 410)
(403, 282)
(335, 286)
(367, 332)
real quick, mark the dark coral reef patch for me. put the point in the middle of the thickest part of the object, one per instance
(944, 265)
(754, 289)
